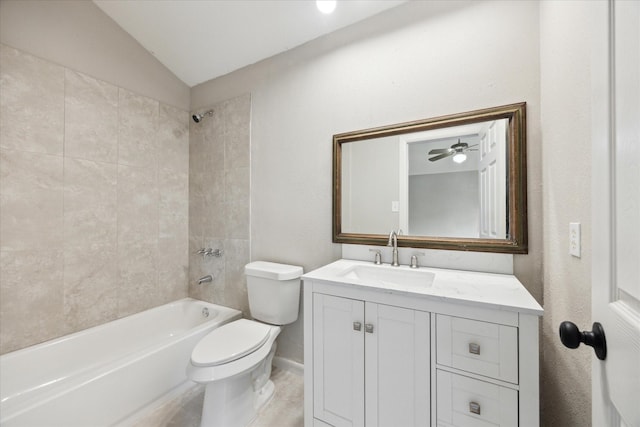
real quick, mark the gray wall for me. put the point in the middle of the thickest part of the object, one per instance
(444, 204)
(388, 69)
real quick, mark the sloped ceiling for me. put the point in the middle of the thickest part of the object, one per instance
(199, 40)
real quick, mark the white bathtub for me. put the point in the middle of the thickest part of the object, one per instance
(104, 375)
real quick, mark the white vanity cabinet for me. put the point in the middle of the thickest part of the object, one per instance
(371, 362)
(462, 350)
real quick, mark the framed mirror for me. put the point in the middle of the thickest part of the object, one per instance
(454, 182)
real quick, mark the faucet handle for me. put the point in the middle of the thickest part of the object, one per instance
(414, 259)
(378, 256)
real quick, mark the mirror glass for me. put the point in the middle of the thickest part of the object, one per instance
(453, 182)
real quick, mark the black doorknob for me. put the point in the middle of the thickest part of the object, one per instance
(571, 337)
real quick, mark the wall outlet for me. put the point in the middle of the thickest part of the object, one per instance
(574, 239)
(395, 206)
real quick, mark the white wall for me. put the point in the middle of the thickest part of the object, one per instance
(566, 162)
(420, 60)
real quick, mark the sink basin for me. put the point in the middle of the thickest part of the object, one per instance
(384, 275)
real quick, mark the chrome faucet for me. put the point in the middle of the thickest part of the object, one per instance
(205, 279)
(393, 242)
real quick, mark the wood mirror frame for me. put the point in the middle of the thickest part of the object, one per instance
(516, 241)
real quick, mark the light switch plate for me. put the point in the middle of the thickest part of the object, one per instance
(574, 239)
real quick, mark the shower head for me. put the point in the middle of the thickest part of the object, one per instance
(197, 117)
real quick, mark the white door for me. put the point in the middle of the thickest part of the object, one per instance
(616, 211)
(493, 181)
(397, 373)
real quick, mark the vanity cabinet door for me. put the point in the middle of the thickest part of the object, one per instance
(371, 364)
(338, 360)
(397, 373)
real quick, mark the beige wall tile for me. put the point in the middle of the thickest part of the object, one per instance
(90, 203)
(137, 277)
(237, 255)
(90, 243)
(137, 239)
(90, 291)
(237, 113)
(91, 118)
(30, 201)
(138, 124)
(173, 139)
(173, 209)
(237, 152)
(31, 297)
(85, 240)
(173, 268)
(32, 103)
(236, 185)
(237, 216)
(137, 205)
(219, 191)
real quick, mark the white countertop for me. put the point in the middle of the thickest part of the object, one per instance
(501, 291)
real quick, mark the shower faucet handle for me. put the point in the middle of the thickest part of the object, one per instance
(210, 252)
(214, 252)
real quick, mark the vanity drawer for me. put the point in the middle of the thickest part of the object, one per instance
(465, 402)
(483, 348)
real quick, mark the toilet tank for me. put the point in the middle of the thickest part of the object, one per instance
(274, 291)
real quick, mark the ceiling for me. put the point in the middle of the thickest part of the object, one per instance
(199, 40)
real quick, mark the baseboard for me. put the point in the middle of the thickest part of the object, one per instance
(288, 365)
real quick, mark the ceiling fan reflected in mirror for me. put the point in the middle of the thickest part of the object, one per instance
(457, 150)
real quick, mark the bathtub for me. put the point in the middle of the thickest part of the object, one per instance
(107, 374)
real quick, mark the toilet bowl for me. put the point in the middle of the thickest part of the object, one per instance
(234, 360)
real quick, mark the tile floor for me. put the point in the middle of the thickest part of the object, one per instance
(284, 410)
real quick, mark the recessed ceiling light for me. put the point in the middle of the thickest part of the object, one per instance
(326, 6)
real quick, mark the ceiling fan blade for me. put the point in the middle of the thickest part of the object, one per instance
(474, 145)
(441, 151)
(441, 156)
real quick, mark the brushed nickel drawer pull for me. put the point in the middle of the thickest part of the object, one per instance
(357, 326)
(474, 408)
(368, 328)
(474, 348)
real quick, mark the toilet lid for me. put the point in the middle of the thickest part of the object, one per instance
(230, 342)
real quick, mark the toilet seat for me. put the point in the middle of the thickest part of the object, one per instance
(230, 342)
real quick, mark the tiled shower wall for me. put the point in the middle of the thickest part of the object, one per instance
(93, 201)
(219, 206)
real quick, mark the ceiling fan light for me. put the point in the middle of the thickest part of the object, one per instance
(459, 157)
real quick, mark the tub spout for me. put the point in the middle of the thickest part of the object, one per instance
(205, 279)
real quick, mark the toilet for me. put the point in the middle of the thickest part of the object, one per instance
(234, 360)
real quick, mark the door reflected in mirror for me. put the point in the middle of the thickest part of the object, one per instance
(454, 182)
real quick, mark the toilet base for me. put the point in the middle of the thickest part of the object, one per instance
(236, 401)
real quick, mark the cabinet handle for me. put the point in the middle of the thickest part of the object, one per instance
(368, 328)
(474, 408)
(474, 348)
(357, 326)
